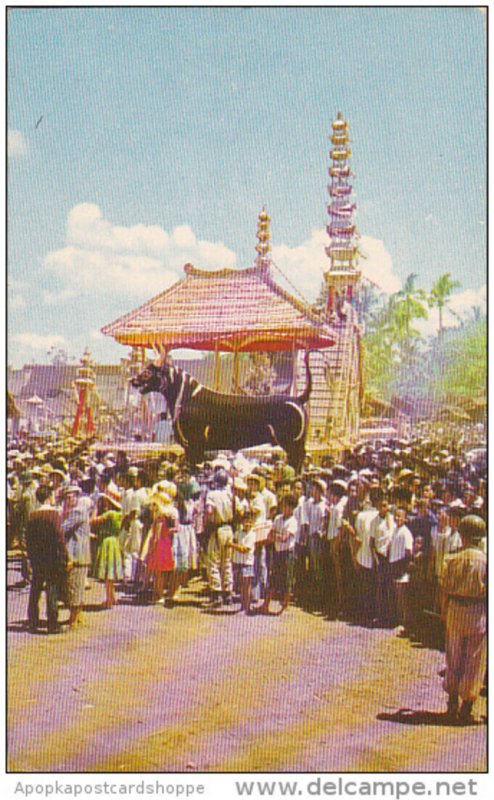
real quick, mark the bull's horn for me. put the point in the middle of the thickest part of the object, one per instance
(160, 354)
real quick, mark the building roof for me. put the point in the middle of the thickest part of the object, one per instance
(228, 310)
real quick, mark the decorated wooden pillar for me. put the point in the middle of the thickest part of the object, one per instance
(84, 385)
(235, 370)
(293, 388)
(217, 377)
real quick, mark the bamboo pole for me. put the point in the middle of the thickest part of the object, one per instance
(294, 367)
(235, 370)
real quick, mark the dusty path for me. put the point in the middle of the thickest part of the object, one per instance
(145, 689)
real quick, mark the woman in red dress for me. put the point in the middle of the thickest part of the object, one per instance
(159, 559)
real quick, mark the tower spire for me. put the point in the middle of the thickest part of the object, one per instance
(263, 246)
(342, 250)
(343, 235)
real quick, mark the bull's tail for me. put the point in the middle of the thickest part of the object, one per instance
(303, 398)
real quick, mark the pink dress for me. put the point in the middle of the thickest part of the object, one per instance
(160, 556)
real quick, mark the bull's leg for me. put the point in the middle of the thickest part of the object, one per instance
(295, 455)
(194, 455)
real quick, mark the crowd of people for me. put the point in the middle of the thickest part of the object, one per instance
(368, 540)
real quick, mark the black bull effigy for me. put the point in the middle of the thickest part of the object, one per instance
(207, 420)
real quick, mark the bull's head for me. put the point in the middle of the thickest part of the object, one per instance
(156, 376)
(149, 380)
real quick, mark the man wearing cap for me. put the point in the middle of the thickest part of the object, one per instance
(219, 513)
(464, 601)
(75, 525)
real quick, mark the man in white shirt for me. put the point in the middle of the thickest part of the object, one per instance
(400, 556)
(317, 521)
(134, 498)
(381, 532)
(366, 560)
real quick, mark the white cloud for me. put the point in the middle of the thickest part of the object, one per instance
(461, 303)
(138, 260)
(305, 265)
(378, 265)
(33, 341)
(16, 144)
(184, 354)
(87, 229)
(96, 272)
(464, 302)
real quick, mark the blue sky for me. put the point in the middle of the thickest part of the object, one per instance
(166, 130)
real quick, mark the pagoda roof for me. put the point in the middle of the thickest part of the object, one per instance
(228, 310)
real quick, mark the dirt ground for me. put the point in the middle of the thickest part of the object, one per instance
(148, 689)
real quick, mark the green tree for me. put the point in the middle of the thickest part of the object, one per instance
(408, 305)
(382, 351)
(461, 370)
(440, 296)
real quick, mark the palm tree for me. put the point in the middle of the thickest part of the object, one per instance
(409, 305)
(440, 295)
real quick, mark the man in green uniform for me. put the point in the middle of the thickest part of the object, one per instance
(464, 615)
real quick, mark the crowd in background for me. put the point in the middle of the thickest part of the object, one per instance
(365, 540)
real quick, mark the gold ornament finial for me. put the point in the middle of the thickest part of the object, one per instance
(263, 246)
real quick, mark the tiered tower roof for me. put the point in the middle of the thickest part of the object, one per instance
(343, 235)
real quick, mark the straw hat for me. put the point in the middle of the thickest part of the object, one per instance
(320, 484)
(161, 501)
(71, 489)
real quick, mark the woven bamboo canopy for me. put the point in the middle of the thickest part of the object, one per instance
(228, 310)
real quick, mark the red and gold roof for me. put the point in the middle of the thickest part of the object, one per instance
(229, 310)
